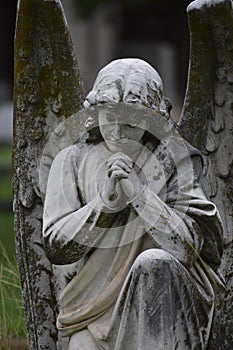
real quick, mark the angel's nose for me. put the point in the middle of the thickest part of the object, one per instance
(118, 132)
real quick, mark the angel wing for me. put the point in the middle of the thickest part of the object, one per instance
(207, 123)
(47, 89)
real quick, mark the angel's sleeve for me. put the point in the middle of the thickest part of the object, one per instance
(181, 223)
(71, 228)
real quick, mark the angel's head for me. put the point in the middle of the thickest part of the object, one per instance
(128, 80)
(127, 91)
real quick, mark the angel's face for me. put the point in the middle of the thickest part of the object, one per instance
(119, 131)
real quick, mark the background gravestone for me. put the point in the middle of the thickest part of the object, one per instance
(48, 89)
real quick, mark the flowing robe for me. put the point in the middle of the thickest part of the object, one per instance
(149, 274)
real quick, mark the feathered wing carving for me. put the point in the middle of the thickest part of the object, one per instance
(207, 123)
(47, 89)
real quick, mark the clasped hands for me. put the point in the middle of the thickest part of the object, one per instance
(122, 183)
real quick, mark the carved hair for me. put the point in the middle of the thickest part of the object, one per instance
(131, 83)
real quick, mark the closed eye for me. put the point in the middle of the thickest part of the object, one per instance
(111, 119)
(132, 125)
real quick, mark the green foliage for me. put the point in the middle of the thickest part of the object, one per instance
(5, 173)
(5, 155)
(5, 187)
(12, 322)
(6, 218)
(7, 238)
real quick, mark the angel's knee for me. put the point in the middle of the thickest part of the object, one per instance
(153, 259)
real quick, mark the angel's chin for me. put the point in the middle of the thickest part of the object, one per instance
(117, 146)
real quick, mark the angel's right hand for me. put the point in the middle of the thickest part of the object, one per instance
(119, 167)
(122, 157)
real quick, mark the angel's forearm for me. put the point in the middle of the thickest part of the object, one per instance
(77, 229)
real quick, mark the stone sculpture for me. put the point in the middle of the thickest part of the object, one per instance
(134, 208)
(123, 202)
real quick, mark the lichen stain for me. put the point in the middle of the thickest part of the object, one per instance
(39, 75)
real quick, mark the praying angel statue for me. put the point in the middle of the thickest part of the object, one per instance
(122, 215)
(132, 206)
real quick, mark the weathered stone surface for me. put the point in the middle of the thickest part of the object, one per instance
(207, 123)
(136, 197)
(47, 89)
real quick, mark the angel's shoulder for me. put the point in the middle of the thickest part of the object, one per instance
(72, 154)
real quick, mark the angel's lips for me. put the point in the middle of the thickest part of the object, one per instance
(120, 141)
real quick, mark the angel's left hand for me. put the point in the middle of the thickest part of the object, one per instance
(130, 183)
